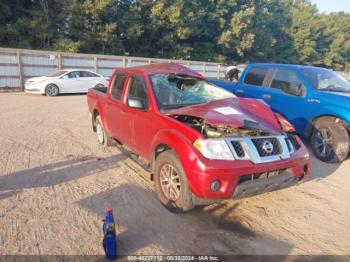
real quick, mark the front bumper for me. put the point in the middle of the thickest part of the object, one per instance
(34, 88)
(259, 186)
(203, 172)
(33, 91)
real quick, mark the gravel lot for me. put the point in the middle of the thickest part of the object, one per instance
(56, 182)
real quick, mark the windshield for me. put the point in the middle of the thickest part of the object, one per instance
(326, 80)
(58, 73)
(174, 91)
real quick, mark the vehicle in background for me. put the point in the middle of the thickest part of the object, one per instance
(65, 81)
(315, 100)
(200, 142)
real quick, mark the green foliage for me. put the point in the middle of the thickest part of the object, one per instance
(284, 31)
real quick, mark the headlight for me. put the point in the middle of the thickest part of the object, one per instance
(215, 148)
(39, 82)
(285, 125)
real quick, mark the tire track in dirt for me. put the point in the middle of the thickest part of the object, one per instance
(56, 182)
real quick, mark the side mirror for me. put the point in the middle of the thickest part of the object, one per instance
(64, 77)
(136, 103)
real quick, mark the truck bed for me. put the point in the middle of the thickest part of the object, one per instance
(100, 90)
(95, 96)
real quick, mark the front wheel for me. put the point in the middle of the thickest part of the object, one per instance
(51, 90)
(171, 183)
(330, 142)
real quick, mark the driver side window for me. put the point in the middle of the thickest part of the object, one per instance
(288, 82)
(137, 89)
(74, 74)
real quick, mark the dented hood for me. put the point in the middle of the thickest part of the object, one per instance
(233, 112)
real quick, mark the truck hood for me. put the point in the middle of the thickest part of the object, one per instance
(233, 112)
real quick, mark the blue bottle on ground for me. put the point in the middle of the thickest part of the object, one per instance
(110, 237)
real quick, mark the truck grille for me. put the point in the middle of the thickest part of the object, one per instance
(260, 149)
(238, 148)
(267, 146)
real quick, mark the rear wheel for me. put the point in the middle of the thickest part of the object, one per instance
(330, 142)
(171, 183)
(51, 90)
(102, 136)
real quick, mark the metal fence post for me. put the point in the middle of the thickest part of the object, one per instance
(95, 64)
(20, 69)
(219, 71)
(124, 62)
(59, 57)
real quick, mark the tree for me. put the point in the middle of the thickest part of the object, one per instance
(284, 31)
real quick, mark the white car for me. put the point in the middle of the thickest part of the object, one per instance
(65, 81)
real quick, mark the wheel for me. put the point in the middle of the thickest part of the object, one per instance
(330, 142)
(171, 183)
(102, 136)
(51, 90)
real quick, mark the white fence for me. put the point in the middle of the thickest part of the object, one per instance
(17, 65)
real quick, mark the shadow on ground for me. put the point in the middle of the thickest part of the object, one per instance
(143, 222)
(55, 173)
(320, 169)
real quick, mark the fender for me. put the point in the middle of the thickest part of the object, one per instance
(180, 144)
(100, 109)
(332, 111)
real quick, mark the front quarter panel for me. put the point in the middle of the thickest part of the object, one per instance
(181, 145)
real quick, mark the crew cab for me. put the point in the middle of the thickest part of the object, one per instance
(200, 142)
(315, 100)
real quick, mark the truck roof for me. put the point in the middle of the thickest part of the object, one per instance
(162, 68)
(287, 65)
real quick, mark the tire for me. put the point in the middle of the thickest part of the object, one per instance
(51, 90)
(178, 197)
(330, 142)
(102, 136)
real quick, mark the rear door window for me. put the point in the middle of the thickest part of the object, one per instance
(87, 74)
(117, 87)
(255, 76)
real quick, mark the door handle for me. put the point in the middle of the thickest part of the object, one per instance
(267, 96)
(240, 91)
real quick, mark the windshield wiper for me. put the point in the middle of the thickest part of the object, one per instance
(175, 106)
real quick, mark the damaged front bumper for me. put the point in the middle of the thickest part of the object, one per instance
(257, 186)
(243, 178)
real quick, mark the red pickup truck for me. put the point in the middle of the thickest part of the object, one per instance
(201, 143)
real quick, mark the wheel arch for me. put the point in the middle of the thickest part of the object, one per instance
(327, 118)
(94, 115)
(171, 140)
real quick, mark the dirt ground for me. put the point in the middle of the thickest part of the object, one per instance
(56, 183)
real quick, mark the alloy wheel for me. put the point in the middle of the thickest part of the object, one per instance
(323, 142)
(99, 132)
(170, 182)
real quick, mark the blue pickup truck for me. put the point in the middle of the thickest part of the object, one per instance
(315, 100)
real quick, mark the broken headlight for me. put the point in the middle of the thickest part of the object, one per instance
(214, 148)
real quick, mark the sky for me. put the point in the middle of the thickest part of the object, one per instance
(327, 6)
